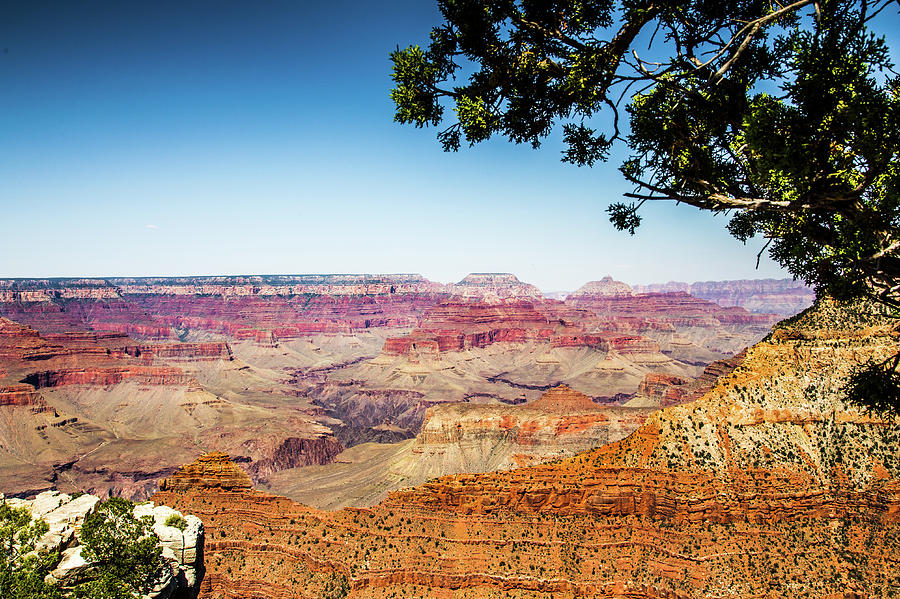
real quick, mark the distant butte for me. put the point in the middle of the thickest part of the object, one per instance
(213, 470)
(563, 398)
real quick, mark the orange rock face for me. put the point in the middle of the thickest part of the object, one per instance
(211, 471)
(20, 395)
(767, 486)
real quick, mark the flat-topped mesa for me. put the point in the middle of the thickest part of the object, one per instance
(188, 352)
(605, 286)
(48, 290)
(105, 376)
(491, 279)
(563, 398)
(213, 470)
(494, 285)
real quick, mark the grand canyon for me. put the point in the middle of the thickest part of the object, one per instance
(108, 385)
(386, 435)
(628, 330)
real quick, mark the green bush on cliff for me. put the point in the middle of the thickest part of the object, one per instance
(177, 521)
(22, 570)
(125, 549)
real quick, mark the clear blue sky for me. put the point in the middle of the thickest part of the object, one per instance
(179, 138)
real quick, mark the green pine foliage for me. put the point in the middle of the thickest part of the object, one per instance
(784, 115)
(124, 548)
(22, 570)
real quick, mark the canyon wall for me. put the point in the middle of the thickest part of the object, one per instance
(108, 384)
(784, 297)
(768, 485)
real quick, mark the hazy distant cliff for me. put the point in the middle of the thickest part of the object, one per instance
(775, 296)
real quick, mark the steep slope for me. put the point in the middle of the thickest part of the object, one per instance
(462, 437)
(91, 411)
(767, 486)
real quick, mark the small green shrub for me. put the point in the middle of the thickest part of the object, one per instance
(176, 521)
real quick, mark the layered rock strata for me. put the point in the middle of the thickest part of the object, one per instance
(778, 296)
(487, 437)
(768, 485)
(668, 390)
(89, 410)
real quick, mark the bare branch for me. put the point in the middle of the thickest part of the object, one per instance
(757, 23)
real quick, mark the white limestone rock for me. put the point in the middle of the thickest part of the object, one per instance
(183, 546)
(71, 568)
(48, 501)
(73, 512)
(181, 550)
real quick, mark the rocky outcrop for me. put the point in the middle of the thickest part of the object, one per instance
(487, 437)
(605, 286)
(181, 352)
(182, 549)
(145, 375)
(493, 286)
(20, 395)
(784, 297)
(746, 492)
(294, 452)
(210, 471)
(668, 390)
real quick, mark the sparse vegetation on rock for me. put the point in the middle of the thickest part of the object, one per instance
(58, 546)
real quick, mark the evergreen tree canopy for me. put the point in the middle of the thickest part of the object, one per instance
(124, 548)
(787, 115)
(784, 115)
(22, 570)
